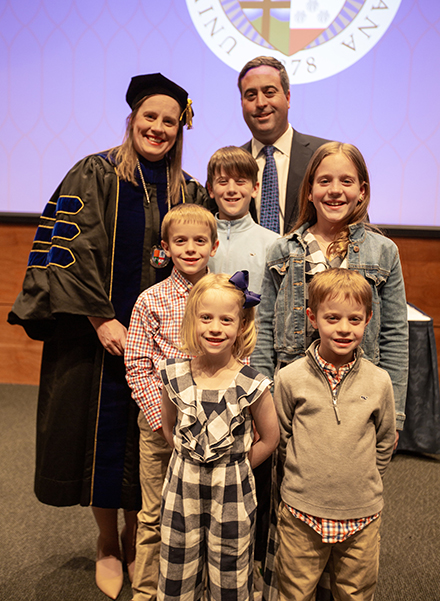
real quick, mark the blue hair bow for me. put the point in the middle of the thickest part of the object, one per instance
(240, 279)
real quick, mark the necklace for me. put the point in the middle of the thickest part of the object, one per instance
(158, 257)
(147, 196)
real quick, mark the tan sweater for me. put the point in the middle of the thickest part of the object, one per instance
(332, 469)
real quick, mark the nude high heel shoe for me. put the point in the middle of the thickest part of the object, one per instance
(109, 576)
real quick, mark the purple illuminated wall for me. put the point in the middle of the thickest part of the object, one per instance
(65, 67)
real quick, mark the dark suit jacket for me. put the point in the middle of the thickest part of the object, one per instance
(303, 146)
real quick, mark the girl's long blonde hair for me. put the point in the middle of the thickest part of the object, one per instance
(247, 336)
(307, 211)
(125, 157)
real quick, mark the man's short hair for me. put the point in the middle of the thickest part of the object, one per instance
(189, 213)
(268, 61)
(340, 283)
(235, 162)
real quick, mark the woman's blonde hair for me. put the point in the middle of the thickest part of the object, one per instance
(307, 211)
(246, 337)
(125, 157)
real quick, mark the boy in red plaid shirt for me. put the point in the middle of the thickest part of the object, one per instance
(337, 421)
(189, 238)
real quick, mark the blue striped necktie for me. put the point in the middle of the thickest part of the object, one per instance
(270, 208)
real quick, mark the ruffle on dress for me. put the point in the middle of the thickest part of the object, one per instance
(208, 418)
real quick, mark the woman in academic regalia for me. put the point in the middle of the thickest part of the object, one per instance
(96, 248)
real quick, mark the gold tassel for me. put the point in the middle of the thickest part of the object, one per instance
(188, 112)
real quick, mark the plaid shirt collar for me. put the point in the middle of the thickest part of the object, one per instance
(180, 283)
(333, 375)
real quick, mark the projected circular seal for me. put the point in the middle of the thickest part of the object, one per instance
(314, 39)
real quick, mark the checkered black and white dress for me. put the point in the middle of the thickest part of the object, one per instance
(209, 501)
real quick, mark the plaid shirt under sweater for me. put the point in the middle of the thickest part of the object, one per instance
(153, 335)
(333, 531)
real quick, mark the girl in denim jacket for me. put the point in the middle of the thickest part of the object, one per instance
(332, 231)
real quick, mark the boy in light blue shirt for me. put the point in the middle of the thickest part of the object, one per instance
(232, 183)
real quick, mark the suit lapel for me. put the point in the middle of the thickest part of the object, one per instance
(300, 154)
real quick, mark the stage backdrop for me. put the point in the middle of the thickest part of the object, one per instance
(362, 71)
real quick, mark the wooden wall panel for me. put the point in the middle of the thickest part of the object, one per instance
(421, 270)
(420, 259)
(20, 357)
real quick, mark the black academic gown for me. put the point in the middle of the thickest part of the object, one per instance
(90, 257)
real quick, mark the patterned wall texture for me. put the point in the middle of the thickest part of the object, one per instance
(65, 67)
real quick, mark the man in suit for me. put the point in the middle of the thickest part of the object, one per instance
(265, 99)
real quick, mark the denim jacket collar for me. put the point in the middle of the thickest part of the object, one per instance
(357, 232)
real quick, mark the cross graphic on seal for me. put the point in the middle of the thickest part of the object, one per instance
(266, 6)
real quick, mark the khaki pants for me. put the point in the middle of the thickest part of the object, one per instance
(154, 456)
(302, 557)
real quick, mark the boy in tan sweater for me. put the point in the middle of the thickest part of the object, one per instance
(337, 420)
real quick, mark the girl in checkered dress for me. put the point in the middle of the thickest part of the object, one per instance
(209, 405)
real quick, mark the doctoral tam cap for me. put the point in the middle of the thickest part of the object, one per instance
(156, 83)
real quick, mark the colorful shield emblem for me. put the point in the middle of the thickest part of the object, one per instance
(315, 39)
(292, 25)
